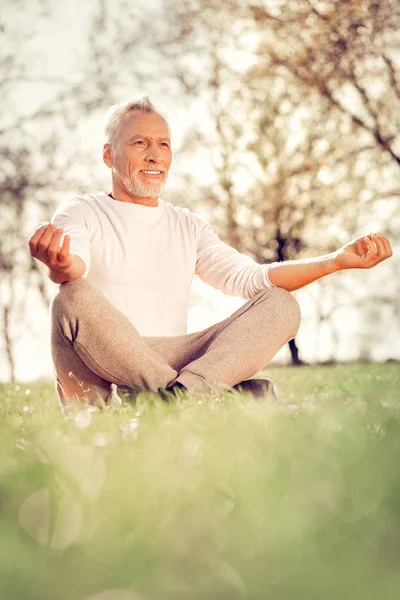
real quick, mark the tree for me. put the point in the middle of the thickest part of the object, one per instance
(283, 145)
(42, 159)
(346, 51)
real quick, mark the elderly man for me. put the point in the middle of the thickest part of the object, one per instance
(125, 261)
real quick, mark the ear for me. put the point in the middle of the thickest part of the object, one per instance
(107, 158)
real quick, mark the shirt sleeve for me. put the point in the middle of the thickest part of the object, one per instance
(226, 269)
(75, 218)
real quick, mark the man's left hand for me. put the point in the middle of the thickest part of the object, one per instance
(363, 253)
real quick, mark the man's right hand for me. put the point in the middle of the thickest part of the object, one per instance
(44, 245)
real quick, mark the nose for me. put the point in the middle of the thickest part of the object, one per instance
(154, 153)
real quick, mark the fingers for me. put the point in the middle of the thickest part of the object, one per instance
(53, 244)
(371, 249)
(64, 252)
(50, 239)
(46, 239)
(379, 244)
(45, 244)
(386, 244)
(41, 237)
(379, 248)
(34, 239)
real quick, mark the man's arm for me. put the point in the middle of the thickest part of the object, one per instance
(226, 269)
(362, 253)
(44, 245)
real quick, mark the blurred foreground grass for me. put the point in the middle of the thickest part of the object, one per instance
(230, 499)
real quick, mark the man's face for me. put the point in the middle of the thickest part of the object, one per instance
(142, 155)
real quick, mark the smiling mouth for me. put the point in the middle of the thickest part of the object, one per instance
(152, 173)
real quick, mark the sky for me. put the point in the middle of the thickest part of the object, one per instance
(53, 52)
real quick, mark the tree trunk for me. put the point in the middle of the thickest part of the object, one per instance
(8, 343)
(294, 352)
(280, 252)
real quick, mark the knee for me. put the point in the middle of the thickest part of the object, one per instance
(70, 296)
(292, 313)
(287, 309)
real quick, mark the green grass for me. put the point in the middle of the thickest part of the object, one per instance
(230, 499)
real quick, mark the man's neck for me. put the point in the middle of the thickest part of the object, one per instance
(123, 197)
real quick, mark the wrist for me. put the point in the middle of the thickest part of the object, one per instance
(333, 263)
(328, 264)
(59, 275)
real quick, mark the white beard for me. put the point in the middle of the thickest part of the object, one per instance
(140, 189)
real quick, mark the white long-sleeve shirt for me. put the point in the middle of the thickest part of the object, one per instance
(144, 258)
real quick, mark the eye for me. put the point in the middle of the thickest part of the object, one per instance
(165, 144)
(140, 142)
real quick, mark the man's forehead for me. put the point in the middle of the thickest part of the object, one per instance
(145, 124)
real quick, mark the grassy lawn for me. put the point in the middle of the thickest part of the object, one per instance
(223, 499)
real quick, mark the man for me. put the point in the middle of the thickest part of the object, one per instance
(126, 260)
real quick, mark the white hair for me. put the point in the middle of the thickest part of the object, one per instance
(116, 113)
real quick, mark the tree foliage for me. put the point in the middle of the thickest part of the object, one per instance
(303, 105)
(42, 146)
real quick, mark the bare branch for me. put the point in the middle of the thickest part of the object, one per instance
(392, 75)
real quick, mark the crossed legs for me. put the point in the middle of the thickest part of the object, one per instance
(94, 345)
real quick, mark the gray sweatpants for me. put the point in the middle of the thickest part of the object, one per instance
(95, 348)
